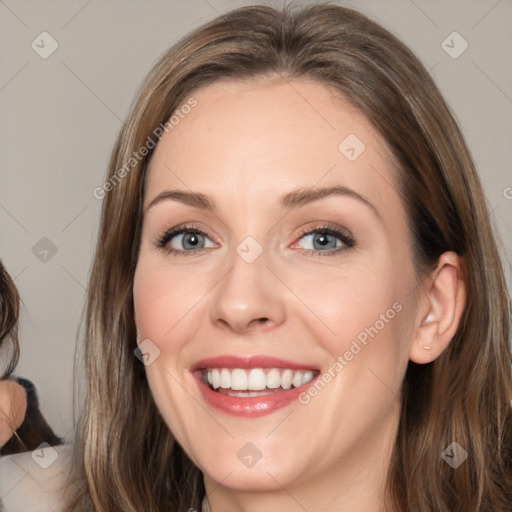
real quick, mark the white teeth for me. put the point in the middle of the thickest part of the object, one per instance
(225, 378)
(307, 377)
(256, 379)
(273, 379)
(286, 379)
(238, 379)
(215, 378)
(297, 379)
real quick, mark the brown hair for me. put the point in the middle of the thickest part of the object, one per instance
(9, 314)
(34, 428)
(127, 458)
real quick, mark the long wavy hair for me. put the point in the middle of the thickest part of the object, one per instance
(9, 316)
(126, 457)
(34, 429)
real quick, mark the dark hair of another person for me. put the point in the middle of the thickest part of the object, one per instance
(9, 314)
(34, 430)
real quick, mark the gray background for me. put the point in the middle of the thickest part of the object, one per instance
(60, 116)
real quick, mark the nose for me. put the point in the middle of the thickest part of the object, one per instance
(248, 297)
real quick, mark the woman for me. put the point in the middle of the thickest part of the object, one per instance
(22, 425)
(338, 339)
(13, 401)
(23, 429)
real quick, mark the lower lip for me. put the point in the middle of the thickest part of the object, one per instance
(252, 406)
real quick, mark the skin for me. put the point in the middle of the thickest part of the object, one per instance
(13, 405)
(246, 144)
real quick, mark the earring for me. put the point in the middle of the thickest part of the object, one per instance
(428, 319)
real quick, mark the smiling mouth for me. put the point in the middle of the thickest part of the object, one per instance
(244, 382)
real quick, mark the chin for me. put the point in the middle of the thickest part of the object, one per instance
(257, 465)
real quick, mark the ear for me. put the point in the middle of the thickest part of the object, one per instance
(439, 310)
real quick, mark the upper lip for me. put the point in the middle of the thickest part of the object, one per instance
(255, 361)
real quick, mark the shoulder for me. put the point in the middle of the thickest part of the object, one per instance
(35, 481)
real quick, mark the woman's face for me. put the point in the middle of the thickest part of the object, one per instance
(275, 282)
(13, 404)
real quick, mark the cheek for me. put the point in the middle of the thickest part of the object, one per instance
(362, 319)
(343, 300)
(5, 428)
(163, 301)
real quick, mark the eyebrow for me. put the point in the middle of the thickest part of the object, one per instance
(293, 199)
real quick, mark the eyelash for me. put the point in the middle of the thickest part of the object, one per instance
(346, 238)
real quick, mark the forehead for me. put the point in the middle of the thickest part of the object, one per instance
(260, 138)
